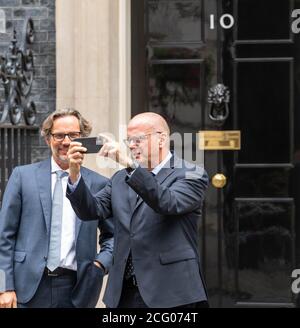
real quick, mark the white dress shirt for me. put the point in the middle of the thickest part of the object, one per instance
(67, 252)
(162, 164)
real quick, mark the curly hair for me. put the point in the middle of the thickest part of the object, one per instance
(85, 125)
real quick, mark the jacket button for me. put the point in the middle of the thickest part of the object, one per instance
(45, 258)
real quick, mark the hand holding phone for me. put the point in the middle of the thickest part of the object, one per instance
(92, 144)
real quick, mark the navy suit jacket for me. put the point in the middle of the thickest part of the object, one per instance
(161, 229)
(25, 230)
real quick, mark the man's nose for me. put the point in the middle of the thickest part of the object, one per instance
(132, 144)
(66, 140)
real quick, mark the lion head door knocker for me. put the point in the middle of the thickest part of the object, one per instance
(16, 75)
(218, 98)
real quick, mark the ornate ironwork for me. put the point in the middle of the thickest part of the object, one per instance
(219, 97)
(16, 74)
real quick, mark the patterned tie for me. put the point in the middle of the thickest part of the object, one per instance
(56, 220)
(129, 269)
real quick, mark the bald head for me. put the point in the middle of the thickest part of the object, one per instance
(152, 120)
(153, 146)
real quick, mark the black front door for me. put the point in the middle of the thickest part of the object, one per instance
(231, 65)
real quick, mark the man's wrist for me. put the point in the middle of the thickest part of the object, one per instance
(7, 291)
(99, 265)
(73, 179)
(131, 166)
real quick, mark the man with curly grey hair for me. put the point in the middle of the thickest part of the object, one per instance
(48, 257)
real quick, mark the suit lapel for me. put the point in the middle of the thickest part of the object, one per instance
(43, 174)
(78, 224)
(138, 203)
(131, 198)
(87, 181)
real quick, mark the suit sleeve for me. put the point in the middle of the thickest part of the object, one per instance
(9, 222)
(185, 195)
(88, 206)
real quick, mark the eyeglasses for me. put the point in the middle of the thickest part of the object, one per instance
(61, 136)
(138, 139)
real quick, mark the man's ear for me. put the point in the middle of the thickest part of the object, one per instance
(162, 139)
(47, 140)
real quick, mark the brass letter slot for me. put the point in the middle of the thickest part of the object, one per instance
(220, 140)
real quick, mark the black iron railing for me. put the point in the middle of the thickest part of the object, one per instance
(16, 78)
(15, 149)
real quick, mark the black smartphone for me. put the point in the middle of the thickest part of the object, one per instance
(92, 144)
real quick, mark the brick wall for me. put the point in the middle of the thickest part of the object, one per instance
(43, 91)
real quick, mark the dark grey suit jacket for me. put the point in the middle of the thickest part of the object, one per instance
(161, 229)
(24, 235)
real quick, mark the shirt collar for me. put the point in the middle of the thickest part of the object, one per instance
(162, 164)
(55, 167)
